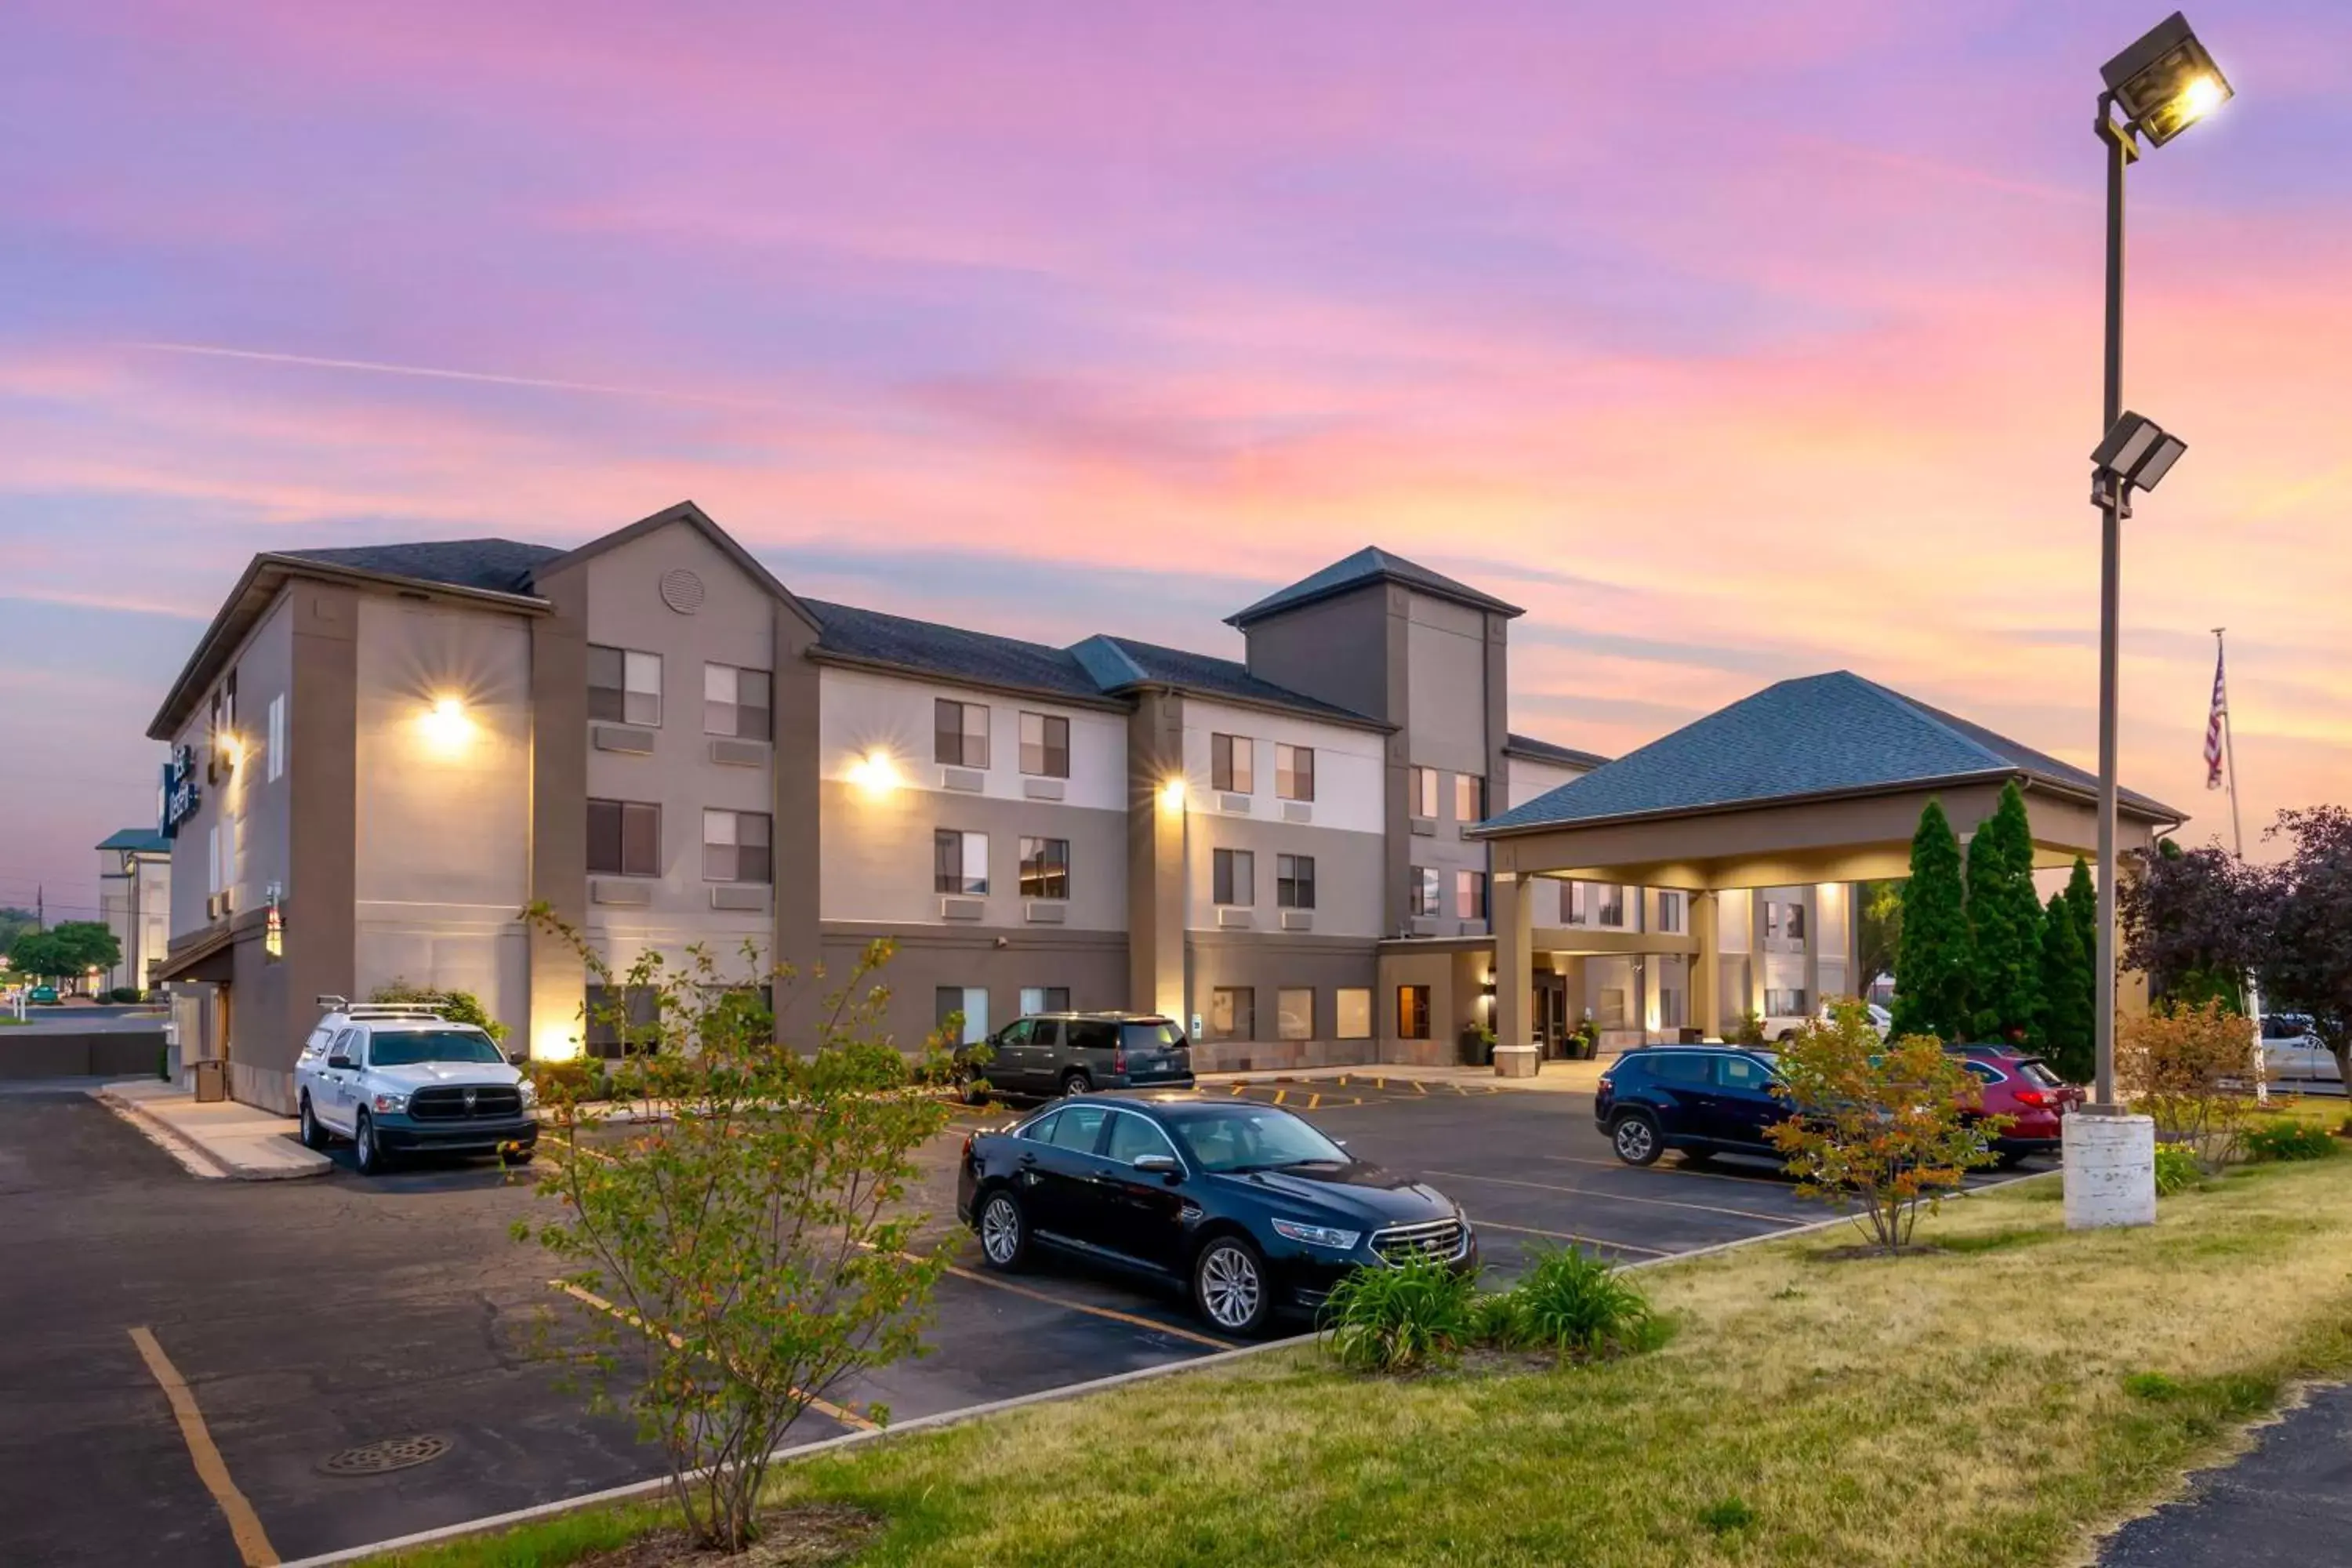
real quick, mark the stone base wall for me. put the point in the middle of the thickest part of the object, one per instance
(1277, 1056)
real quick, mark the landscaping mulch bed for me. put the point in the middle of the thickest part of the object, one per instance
(805, 1537)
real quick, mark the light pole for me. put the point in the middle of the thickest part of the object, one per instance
(2162, 84)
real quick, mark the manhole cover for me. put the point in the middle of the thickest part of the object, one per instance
(391, 1454)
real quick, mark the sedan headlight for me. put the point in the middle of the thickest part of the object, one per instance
(389, 1104)
(1338, 1240)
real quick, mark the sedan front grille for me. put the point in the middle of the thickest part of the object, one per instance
(1436, 1240)
(449, 1102)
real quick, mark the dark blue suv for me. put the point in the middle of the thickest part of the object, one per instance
(1701, 1099)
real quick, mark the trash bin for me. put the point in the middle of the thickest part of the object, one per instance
(212, 1081)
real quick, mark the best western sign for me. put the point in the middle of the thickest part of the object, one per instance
(180, 795)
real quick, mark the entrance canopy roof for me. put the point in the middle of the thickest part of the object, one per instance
(1817, 779)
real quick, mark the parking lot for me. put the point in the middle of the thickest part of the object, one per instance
(306, 1319)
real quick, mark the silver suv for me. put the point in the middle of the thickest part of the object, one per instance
(397, 1078)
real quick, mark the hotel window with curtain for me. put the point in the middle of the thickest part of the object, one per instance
(1470, 895)
(624, 687)
(960, 862)
(1422, 786)
(735, 846)
(960, 734)
(1427, 892)
(1233, 877)
(735, 703)
(1294, 772)
(1045, 867)
(1046, 745)
(1232, 765)
(1469, 797)
(623, 838)
(1294, 881)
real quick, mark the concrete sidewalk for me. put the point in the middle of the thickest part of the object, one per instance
(222, 1139)
(1554, 1077)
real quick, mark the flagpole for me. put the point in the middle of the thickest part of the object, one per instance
(2237, 846)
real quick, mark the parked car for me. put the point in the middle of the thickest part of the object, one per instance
(42, 997)
(1881, 1022)
(1702, 1100)
(2022, 1086)
(1247, 1207)
(397, 1079)
(1076, 1053)
(2293, 1057)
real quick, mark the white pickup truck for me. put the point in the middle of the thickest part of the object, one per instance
(398, 1078)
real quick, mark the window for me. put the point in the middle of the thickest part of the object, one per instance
(1352, 1013)
(624, 687)
(1670, 1009)
(622, 1020)
(1743, 1073)
(1421, 783)
(1090, 1035)
(1042, 1130)
(1470, 895)
(1045, 867)
(278, 737)
(220, 727)
(1230, 759)
(623, 838)
(960, 862)
(1612, 906)
(1045, 999)
(1294, 881)
(1614, 1013)
(213, 878)
(968, 1001)
(1423, 893)
(735, 703)
(1985, 1072)
(1679, 1067)
(1469, 798)
(1133, 1136)
(1232, 1012)
(1045, 745)
(1294, 772)
(1294, 1013)
(1079, 1128)
(1784, 919)
(1412, 1012)
(1784, 1004)
(960, 734)
(1579, 903)
(1670, 912)
(1232, 876)
(735, 846)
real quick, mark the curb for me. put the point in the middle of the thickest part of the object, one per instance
(194, 1156)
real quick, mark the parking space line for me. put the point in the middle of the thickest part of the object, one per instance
(1570, 1235)
(848, 1417)
(1620, 1197)
(1087, 1307)
(244, 1525)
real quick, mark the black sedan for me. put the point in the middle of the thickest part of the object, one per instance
(1248, 1206)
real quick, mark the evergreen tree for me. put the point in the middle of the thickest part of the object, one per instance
(2004, 923)
(2068, 1000)
(2083, 901)
(1931, 967)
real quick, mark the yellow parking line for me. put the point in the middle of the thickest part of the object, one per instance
(1571, 1236)
(1239, 1086)
(244, 1525)
(848, 1417)
(1418, 1087)
(1087, 1307)
(1315, 1101)
(1280, 1095)
(1619, 1197)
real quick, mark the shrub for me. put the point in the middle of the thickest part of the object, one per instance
(125, 994)
(2186, 1068)
(2289, 1141)
(457, 1007)
(1418, 1314)
(1576, 1306)
(1888, 1124)
(1750, 1031)
(2176, 1169)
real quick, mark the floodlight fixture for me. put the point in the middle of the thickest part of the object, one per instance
(2167, 81)
(2138, 451)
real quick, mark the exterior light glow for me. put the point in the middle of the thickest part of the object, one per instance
(232, 749)
(446, 725)
(1171, 794)
(2167, 81)
(553, 1043)
(875, 773)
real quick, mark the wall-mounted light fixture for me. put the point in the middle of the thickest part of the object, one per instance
(446, 725)
(1171, 794)
(231, 749)
(553, 1043)
(875, 773)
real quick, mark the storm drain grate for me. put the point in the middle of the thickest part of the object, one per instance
(391, 1454)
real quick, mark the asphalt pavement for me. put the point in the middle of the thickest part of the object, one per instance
(2288, 1501)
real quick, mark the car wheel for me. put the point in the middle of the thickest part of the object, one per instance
(1003, 1232)
(366, 1153)
(1229, 1286)
(971, 1088)
(1076, 1083)
(1635, 1139)
(2009, 1159)
(314, 1136)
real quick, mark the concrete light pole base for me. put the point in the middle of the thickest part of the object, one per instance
(1518, 1062)
(2110, 1173)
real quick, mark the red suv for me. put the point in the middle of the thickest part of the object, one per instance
(2023, 1089)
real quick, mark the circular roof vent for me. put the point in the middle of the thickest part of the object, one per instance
(681, 590)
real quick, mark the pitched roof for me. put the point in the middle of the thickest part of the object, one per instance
(927, 647)
(1121, 664)
(492, 565)
(147, 840)
(1817, 735)
(1370, 564)
(1544, 752)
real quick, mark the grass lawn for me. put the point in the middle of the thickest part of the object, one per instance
(1987, 1405)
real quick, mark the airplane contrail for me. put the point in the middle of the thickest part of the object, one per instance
(435, 372)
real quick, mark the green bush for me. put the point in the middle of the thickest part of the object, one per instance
(457, 1007)
(2176, 1169)
(2289, 1141)
(125, 994)
(1398, 1320)
(1577, 1307)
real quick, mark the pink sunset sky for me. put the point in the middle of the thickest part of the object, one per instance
(1735, 342)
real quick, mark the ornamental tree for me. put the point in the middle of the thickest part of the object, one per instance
(2195, 921)
(744, 1258)
(2308, 967)
(2005, 924)
(2069, 997)
(1931, 965)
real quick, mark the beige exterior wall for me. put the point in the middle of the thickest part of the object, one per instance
(1525, 778)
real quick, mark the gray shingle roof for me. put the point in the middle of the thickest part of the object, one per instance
(1119, 664)
(1370, 564)
(1821, 734)
(1544, 752)
(150, 840)
(495, 565)
(934, 649)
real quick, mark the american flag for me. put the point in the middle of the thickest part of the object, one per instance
(2213, 722)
